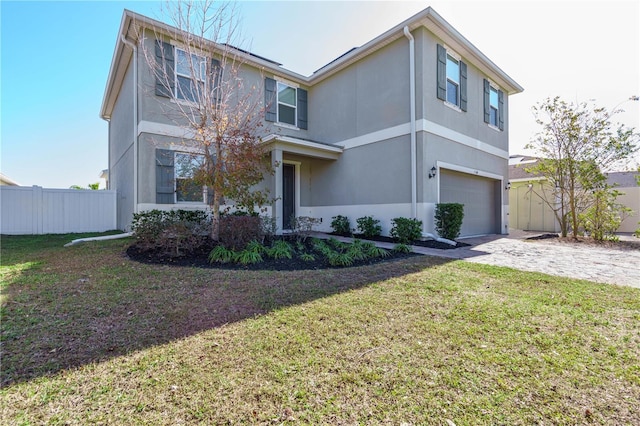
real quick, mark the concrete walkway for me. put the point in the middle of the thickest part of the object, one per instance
(580, 260)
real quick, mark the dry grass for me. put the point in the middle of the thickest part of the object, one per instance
(91, 337)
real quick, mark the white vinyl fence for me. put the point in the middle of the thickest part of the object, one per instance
(36, 210)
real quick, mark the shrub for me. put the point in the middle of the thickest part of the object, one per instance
(237, 231)
(307, 257)
(341, 225)
(302, 227)
(174, 231)
(269, 227)
(368, 226)
(604, 217)
(340, 259)
(356, 252)
(406, 230)
(280, 250)
(402, 248)
(247, 257)
(373, 251)
(221, 254)
(448, 219)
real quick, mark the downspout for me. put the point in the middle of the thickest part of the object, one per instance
(134, 47)
(412, 122)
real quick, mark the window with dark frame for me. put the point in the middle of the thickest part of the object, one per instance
(493, 106)
(190, 75)
(287, 104)
(453, 81)
(186, 165)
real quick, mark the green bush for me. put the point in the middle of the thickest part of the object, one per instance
(280, 250)
(221, 254)
(247, 257)
(369, 227)
(402, 248)
(341, 225)
(236, 231)
(448, 219)
(406, 230)
(603, 218)
(174, 232)
(302, 227)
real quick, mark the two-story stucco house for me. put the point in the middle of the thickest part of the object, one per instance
(415, 117)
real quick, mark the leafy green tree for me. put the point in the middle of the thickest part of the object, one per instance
(577, 145)
(604, 216)
(92, 186)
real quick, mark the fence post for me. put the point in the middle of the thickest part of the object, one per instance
(36, 225)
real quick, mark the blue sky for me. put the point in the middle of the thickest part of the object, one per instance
(55, 58)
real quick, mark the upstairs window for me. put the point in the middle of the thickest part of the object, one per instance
(186, 165)
(493, 105)
(453, 81)
(451, 78)
(191, 71)
(287, 105)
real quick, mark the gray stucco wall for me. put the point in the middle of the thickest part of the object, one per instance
(377, 173)
(121, 137)
(162, 110)
(368, 96)
(470, 122)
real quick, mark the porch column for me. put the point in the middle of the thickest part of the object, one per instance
(276, 212)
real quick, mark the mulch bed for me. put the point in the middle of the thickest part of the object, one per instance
(200, 257)
(421, 243)
(543, 237)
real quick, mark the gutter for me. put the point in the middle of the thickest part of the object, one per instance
(134, 47)
(440, 239)
(412, 120)
(103, 238)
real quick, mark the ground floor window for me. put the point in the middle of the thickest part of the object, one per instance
(186, 166)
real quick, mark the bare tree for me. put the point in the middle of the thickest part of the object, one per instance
(577, 145)
(219, 109)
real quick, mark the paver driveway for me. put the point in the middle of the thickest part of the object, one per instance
(578, 260)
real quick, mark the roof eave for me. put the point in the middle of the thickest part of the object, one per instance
(430, 19)
(107, 102)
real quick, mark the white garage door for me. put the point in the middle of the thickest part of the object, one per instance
(481, 199)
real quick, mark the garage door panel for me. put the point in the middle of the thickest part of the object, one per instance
(480, 198)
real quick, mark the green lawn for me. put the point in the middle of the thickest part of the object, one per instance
(89, 336)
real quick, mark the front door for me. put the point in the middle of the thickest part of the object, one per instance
(288, 194)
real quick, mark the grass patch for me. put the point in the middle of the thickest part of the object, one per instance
(91, 337)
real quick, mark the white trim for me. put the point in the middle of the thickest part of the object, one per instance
(301, 142)
(452, 106)
(520, 180)
(422, 126)
(169, 207)
(447, 133)
(162, 129)
(286, 125)
(378, 136)
(467, 170)
(452, 53)
(185, 148)
(295, 107)
(285, 81)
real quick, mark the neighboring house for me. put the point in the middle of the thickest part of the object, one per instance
(4, 180)
(529, 212)
(105, 175)
(364, 135)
